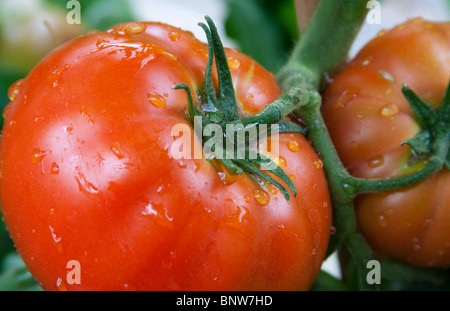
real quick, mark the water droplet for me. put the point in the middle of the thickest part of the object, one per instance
(314, 252)
(86, 115)
(247, 199)
(14, 89)
(68, 129)
(241, 214)
(115, 147)
(134, 27)
(366, 62)
(280, 161)
(273, 190)
(61, 285)
(158, 213)
(318, 163)
(156, 100)
(261, 197)
(358, 115)
(5, 111)
(376, 162)
(83, 184)
(292, 177)
(233, 62)
(325, 204)
(389, 110)
(37, 155)
(346, 96)
(55, 75)
(293, 146)
(174, 36)
(382, 32)
(54, 169)
(382, 220)
(386, 75)
(56, 240)
(52, 211)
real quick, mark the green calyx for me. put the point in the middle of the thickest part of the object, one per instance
(230, 139)
(435, 126)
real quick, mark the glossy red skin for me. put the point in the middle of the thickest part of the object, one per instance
(134, 217)
(412, 224)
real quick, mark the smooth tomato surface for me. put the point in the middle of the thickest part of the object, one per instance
(368, 117)
(87, 175)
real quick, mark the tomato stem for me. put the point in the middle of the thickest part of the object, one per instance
(323, 46)
(325, 42)
(220, 109)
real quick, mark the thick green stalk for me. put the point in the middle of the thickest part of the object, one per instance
(325, 42)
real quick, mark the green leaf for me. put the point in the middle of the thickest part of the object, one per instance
(263, 29)
(290, 127)
(227, 98)
(249, 167)
(15, 276)
(420, 143)
(328, 282)
(100, 14)
(426, 116)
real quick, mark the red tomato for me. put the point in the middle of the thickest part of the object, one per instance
(87, 175)
(368, 118)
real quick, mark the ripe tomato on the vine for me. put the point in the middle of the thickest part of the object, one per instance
(369, 117)
(87, 174)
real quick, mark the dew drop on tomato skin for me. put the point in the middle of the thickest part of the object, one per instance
(37, 155)
(389, 110)
(318, 163)
(347, 95)
(280, 161)
(56, 240)
(61, 285)
(386, 75)
(174, 35)
(376, 162)
(382, 220)
(68, 129)
(115, 148)
(134, 27)
(261, 196)
(158, 214)
(293, 146)
(54, 169)
(84, 185)
(14, 89)
(233, 62)
(156, 100)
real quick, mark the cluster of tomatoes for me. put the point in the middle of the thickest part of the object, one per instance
(87, 174)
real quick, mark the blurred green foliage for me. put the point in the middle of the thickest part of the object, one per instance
(263, 29)
(100, 14)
